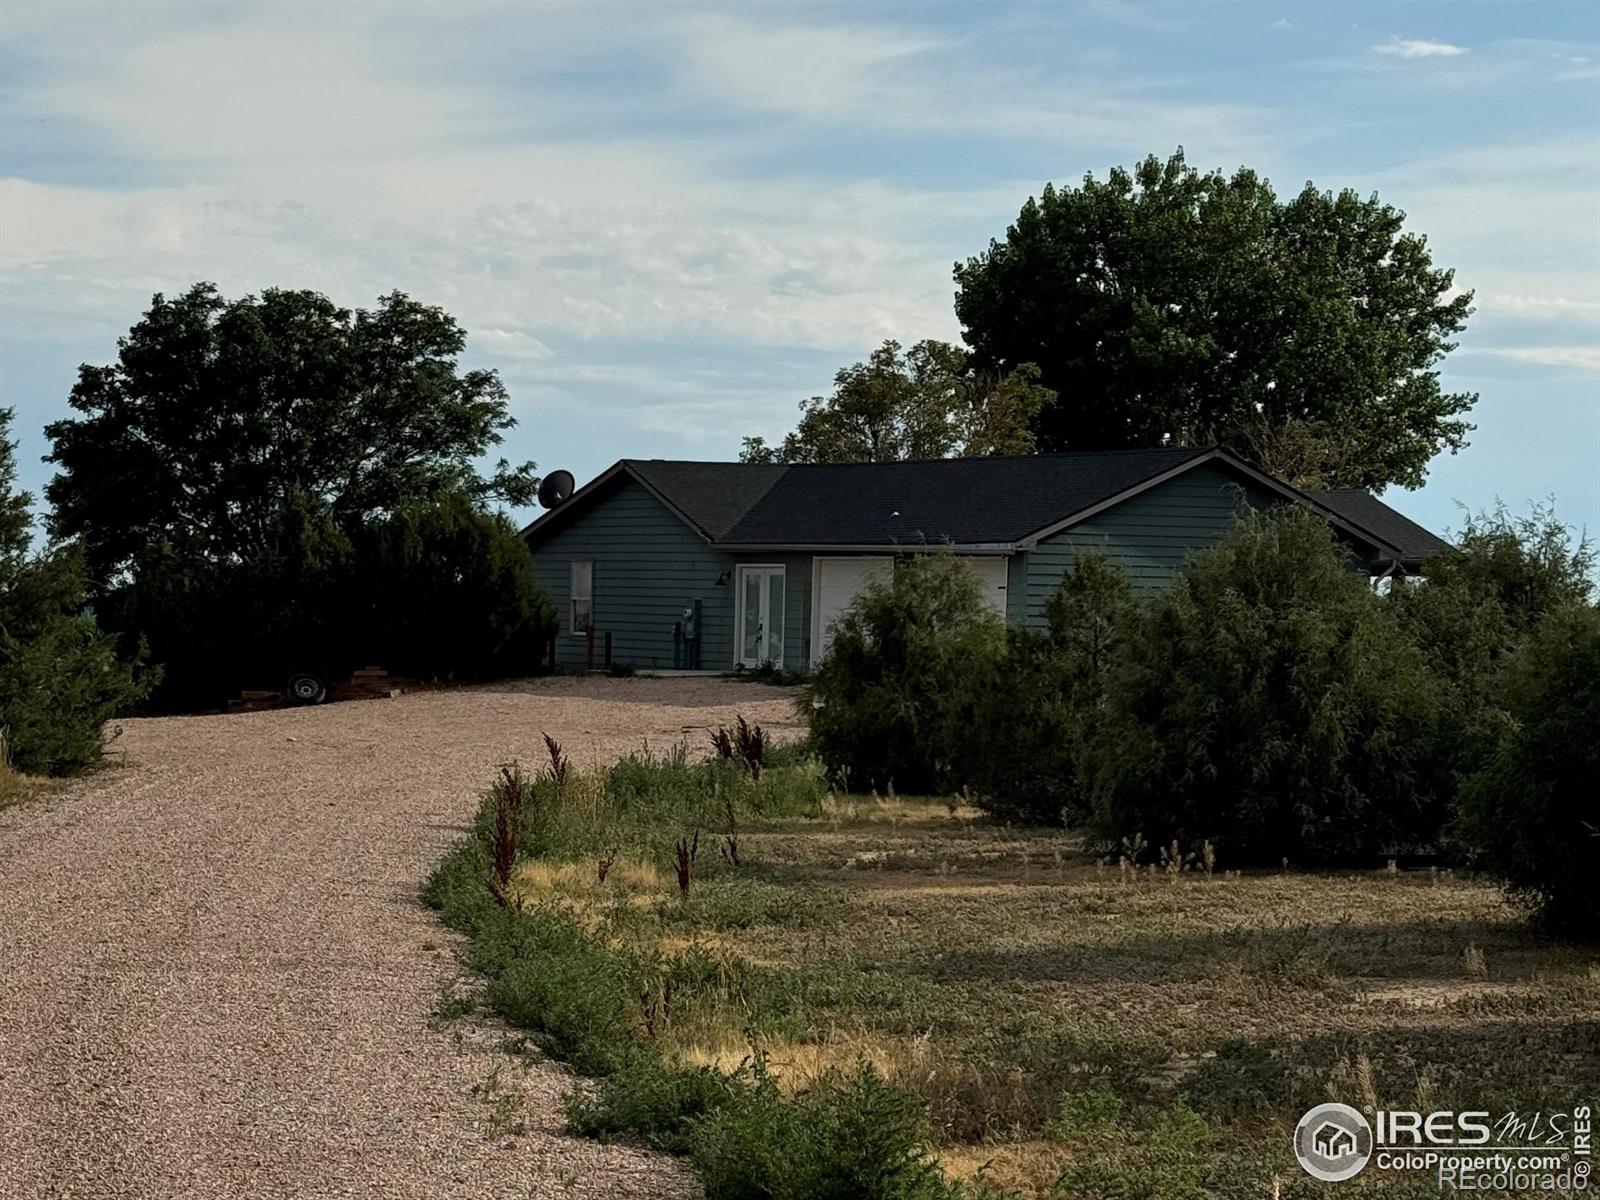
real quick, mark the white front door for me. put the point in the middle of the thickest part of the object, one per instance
(760, 624)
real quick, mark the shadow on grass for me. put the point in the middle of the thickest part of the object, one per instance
(1402, 950)
(1496, 1066)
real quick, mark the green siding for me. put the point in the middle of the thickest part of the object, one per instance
(1148, 535)
(648, 567)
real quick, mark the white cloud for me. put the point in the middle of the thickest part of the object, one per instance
(512, 344)
(1579, 358)
(332, 153)
(616, 208)
(592, 264)
(213, 96)
(878, 77)
(803, 70)
(1515, 219)
(1541, 306)
(1419, 48)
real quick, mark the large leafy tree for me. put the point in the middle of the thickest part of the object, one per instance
(218, 415)
(238, 479)
(924, 402)
(1164, 303)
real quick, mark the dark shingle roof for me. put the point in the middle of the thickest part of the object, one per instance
(1365, 510)
(713, 495)
(960, 500)
(966, 501)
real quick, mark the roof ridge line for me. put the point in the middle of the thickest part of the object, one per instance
(903, 462)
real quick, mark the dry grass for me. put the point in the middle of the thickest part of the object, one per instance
(990, 971)
(14, 788)
(798, 1064)
(874, 809)
(537, 878)
(1031, 1166)
(17, 788)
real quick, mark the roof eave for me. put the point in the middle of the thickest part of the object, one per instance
(846, 548)
(1337, 520)
(1217, 453)
(550, 517)
(1030, 540)
(621, 466)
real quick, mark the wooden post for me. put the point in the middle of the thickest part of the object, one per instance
(608, 649)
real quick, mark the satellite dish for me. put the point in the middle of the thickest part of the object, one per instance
(556, 489)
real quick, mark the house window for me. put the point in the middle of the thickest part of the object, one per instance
(581, 614)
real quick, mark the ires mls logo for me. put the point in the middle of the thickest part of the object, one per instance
(1398, 1127)
(1333, 1142)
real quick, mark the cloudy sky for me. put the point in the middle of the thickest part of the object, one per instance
(666, 226)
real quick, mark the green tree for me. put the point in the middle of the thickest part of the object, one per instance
(1274, 705)
(227, 476)
(892, 702)
(925, 402)
(1478, 603)
(1165, 303)
(219, 415)
(1034, 725)
(60, 676)
(452, 593)
(1529, 813)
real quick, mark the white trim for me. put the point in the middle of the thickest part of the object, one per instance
(816, 601)
(573, 597)
(738, 611)
(849, 550)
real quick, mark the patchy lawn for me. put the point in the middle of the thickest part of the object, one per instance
(1084, 1027)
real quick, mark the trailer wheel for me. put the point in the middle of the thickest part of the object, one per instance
(307, 687)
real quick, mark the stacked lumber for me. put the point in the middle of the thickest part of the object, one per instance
(255, 701)
(367, 683)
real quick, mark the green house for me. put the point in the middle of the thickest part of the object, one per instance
(721, 566)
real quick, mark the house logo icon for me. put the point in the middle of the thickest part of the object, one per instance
(1333, 1142)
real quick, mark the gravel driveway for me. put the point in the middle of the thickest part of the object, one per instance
(216, 979)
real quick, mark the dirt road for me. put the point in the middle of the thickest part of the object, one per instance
(216, 979)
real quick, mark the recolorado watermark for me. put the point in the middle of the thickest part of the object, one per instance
(1462, 1151)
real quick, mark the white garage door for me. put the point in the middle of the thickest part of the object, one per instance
(992, 575)
(836, 583)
